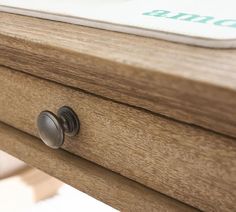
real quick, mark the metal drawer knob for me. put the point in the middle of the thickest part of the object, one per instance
(52, 128)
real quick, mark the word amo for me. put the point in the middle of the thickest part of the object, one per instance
(192, 18)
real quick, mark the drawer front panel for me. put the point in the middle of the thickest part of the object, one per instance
(190, 164)
(109, 187)
(163, 77)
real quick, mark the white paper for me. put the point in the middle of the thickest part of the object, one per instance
(198, 22)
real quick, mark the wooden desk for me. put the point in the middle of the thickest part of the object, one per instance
(157, 116)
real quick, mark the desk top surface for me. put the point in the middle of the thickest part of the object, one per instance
(190, 84)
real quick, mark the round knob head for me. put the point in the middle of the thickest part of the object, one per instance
(50, 129)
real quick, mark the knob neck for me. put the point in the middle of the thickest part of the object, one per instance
(69, 120)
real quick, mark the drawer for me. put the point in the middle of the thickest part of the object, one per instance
(109, 187)
(188, 163)
(178, 81)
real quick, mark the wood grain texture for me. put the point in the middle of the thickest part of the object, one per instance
(190, 164)
(191, 84)
(109, 187)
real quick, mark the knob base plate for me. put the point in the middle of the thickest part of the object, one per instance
(70, 120)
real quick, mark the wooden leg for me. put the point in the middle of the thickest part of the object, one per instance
(9, 165)
(24, 189)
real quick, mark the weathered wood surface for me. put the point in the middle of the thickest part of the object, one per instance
(191, 84)
(107, 186)
(190, 164)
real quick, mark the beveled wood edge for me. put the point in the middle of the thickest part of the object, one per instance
(109, 187)
(191, 84)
